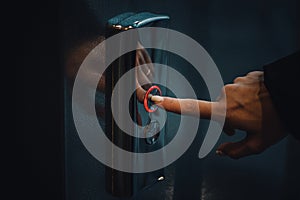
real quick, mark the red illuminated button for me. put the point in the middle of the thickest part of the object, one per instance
(153, 90)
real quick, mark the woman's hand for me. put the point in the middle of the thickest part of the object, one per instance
(248, 108)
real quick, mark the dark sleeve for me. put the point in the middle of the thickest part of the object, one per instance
(282, 80)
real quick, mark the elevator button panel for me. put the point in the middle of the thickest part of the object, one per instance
(121, 184)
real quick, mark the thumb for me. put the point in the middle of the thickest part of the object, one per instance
(235, 150)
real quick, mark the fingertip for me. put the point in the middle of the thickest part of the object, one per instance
(156, 99)
(220, 153)
(222, 149)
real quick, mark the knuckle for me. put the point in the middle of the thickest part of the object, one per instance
(255, 73)
(251, 73)
(228, 88)
(238, 79)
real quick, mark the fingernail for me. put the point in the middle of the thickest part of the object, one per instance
(220, 153)
(157, 98)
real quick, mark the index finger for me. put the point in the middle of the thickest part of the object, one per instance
(193, 107)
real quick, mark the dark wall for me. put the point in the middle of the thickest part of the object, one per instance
(39, 113)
